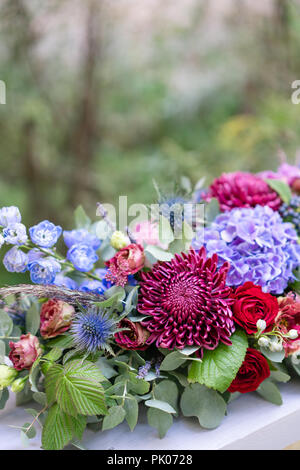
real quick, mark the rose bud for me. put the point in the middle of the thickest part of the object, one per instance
(133, 337)
(7, 376)
(18, 384)
(254, 370)
(128, 260)
(24, 352)
(56, 317)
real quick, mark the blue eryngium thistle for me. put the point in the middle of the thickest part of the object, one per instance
(92, 330)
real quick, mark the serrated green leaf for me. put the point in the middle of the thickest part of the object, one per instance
(220, 366)
(270, 392)
(206, 404)
(115, 416)
(160, 420)
(281, 188)
(33, 319)
(57, 430)
(54, 354)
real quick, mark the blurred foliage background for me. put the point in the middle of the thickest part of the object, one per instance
(105, 95)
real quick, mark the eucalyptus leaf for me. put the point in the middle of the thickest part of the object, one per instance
(270, 392)
(6, 324)
(172, 361)
(160, 420)
(33, 319)
(161, 405)
(82, 220)
(131, 408)
(115, 416)
(204, 403)
(274, 356)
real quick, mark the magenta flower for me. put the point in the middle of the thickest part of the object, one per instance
(188, 302)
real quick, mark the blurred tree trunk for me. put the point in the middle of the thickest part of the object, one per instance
(86, 127)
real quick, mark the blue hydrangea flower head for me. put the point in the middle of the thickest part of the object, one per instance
(259, 246)
(45, 234)
(15, 234)
(92, 330)
(93, 286)
(78, 236)
(9, 215)
(64, 281)
(44, 270)
(15, 260)
(82, 256)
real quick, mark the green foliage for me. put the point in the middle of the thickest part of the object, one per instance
(33, 318)
(160, 420)
(6, 324)
(220, 366)
(281, 188)
(115, 416)
(206, 404)
(270, 392)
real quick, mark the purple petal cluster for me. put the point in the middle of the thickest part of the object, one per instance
(259, 246)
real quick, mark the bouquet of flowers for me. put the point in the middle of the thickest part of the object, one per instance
(180, 314)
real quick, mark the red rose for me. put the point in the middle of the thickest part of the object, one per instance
(128, 260)
(56, 317)
(134, 337)
(25, 352)
(254, 370)
(252, 304)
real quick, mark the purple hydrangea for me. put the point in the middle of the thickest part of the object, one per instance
(82, 256)
(15, 260)
(259, 246)
(44, 270)
(45, 234)
(74, 237)
(9, 215)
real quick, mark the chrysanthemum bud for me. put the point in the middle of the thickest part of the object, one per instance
(293, 334)
(119, 240)
(261, 325)
(263, 342)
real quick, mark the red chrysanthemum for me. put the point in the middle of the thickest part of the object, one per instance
(188, 302)
(243, 190)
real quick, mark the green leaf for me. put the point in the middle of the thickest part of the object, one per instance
(6, 324)
(33, 375)
(40, 397)
(82, 220)
(154, 253)
(139, 386)
(160, 405)
(206, 404)
(54, 354)
(183, 240)
(160, 420)
(115, 416)
(274, 356)
(29, 430)
(107, 370)
(33, 319)
(167, 390)
(172, 361)
(61, 342)
(131, 299)
(220, 366)
(270, 392)
(131, 408)
(2, 352)
(3, 398)
(59, 428)
(76, 388)
(281, 188)
(166, 234)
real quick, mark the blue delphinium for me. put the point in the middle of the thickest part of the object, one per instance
(9, 215)
(259, 246)
(93, 286)
(64, 281)
(78, 236)
(82, 256)
(45, 234)
(15, 234)
(92, 329)
(44, 270)
(15, 260)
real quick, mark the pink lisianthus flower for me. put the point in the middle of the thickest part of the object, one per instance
(147, 233)
(128, 260)
(24, 352)
(56, 317)
(288, 319)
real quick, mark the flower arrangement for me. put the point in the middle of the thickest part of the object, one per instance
(180, 324)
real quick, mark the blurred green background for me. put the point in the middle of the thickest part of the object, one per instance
(105, 95)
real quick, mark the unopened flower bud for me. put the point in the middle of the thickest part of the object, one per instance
(119, 240)
(7, 376)
(261, 325)
(293, 334)
(18, 385)
(263, 342)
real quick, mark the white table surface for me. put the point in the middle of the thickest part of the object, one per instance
(251, 423)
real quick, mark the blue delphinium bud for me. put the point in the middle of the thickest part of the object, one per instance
(45, 234)
(15, 260)
(9, 215)
(15, 234)
(81, 236)
(43, 271)
(82, 256)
